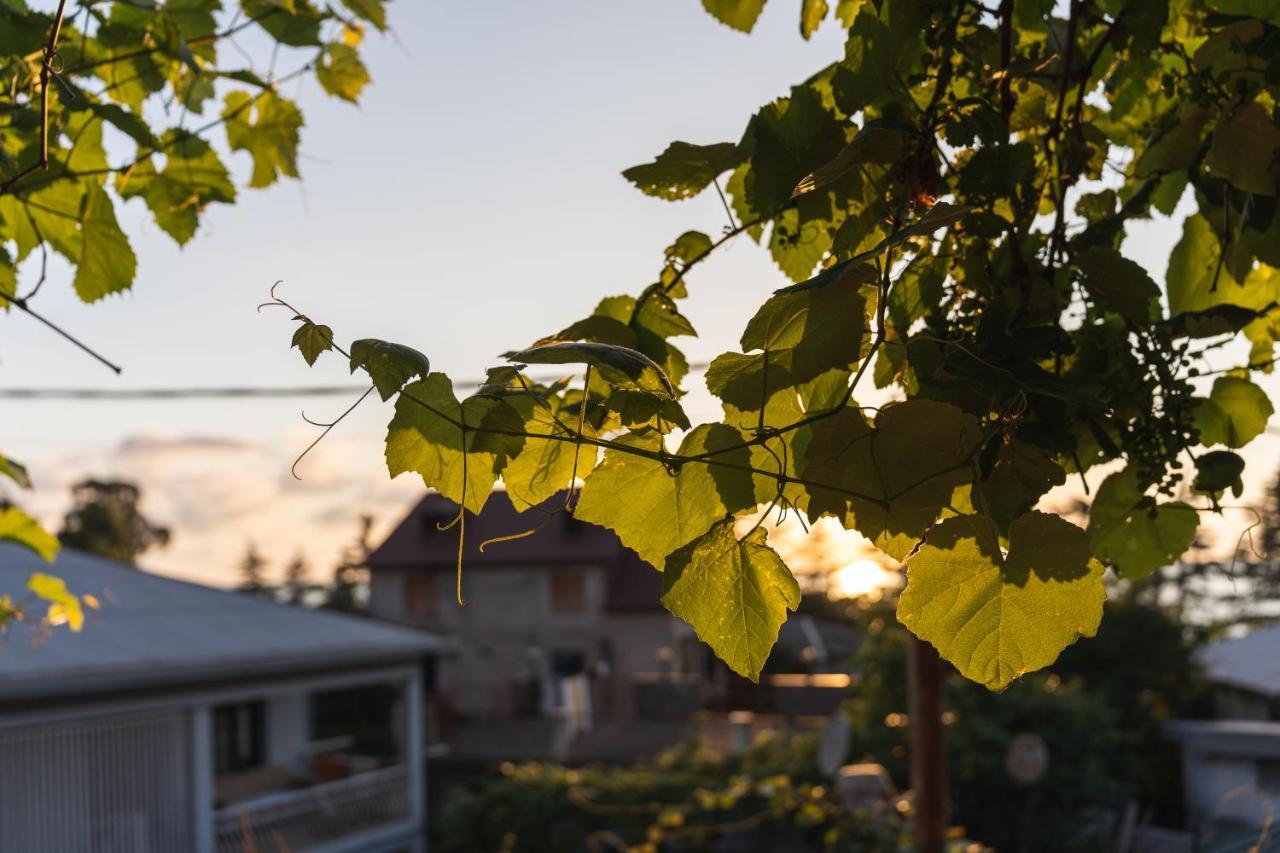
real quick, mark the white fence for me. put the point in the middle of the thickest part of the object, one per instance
(309, 817)
(108, 785)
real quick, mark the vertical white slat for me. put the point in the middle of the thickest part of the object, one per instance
(200, 750)
(414, 759)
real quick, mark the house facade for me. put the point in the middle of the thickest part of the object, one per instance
(562, 620)
(188, 718)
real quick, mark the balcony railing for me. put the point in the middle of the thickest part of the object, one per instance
(310, 817)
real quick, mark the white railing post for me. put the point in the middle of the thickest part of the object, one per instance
(415, 760)
(202, 779)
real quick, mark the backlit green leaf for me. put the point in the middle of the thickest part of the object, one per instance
(15, 471)
(890, 482)
(426, 437)
(739, 14)
(998, 616)
(106, 261)
(17, 526)
(1132, 533)
(341, 72)
(812, 12)
(664, 509)
(1118, 284)
(388, 365)
(1235, 413)
(312, 339)
(619, 366)
(266, 126)
(735, 593)
(683, 170)
(63, 606)
(546, 466)
(1244, 149)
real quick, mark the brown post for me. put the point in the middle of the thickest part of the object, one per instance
(928, 754)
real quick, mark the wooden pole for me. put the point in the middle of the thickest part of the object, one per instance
(928, 753)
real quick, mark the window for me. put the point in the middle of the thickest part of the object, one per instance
(568, 592)
(237, 736)
(420, 594)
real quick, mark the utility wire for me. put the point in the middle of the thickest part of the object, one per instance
(228, 392)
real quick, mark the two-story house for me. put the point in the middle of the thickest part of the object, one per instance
(563, 619)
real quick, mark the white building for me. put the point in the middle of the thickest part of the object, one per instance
(188, 718)
(1231, 764)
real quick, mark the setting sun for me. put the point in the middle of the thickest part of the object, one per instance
(861, 577)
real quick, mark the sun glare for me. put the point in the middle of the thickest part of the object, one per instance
(859, 578)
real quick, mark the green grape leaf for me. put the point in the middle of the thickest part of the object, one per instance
(741, 15)
(812, 13)
(683, 170)
(388, 365)
(50, 214)
(341, 72)
(425, 437)
(735, 593)
(746, 382)
(998, 616)
(689, 246)
(373, 11)
(880, 142)
(663, 511)
(786, 139)
(1244, 149)
(642, 408)
(312, 339)
(15, 471)
(903, 470)
(598, 328)
(1196, 281)
(192, 178)
(815, 326)
(17, 526)
(291, 22)
(63, 606)
(1022, 474)
(1235, 413)
(1118, 284)
(544, 466)
(266, 126)
(847, 11)
(1217, 471)
(619, 366)
(1132, 533)
(106, 261)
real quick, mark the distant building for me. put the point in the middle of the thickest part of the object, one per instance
(183, 718)
(1231, 764)
(545, 614)
(563, 635)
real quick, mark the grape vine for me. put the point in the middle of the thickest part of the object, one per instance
(952, 197)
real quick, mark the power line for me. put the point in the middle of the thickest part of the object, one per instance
(223, 393)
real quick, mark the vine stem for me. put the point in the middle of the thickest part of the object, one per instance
(21, 305)
(46, 67)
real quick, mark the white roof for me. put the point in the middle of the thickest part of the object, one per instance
(154, 631)
(1251, 662)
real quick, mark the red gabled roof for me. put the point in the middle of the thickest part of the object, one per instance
(417, 543)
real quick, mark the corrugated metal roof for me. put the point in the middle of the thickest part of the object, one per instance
(153, 630)
(1251, 662)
